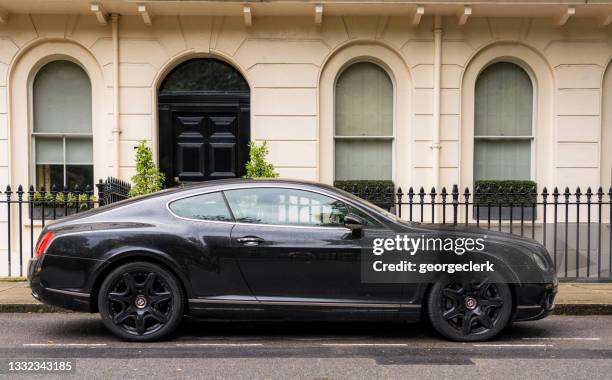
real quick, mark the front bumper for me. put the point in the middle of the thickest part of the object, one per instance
(66, 299)
(536, 301)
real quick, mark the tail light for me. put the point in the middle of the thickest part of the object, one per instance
(43, 243)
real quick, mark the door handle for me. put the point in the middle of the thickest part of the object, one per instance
(250, 241)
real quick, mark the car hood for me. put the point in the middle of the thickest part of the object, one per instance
(499, 243)
(470, 231)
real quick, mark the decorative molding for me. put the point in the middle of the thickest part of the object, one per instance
(248, 15)
(3, 17)
(318, 14)
(463, 17)
(100, 13)
(569, 12)
(418, 13)
(147, 18)
(606, 20)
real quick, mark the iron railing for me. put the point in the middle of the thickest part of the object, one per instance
(112, 190)
(26, 211)
(574, 226)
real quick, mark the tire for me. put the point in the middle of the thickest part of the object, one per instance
(469, 310)
(141, 302)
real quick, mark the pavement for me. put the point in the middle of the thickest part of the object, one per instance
(558, 347)
(572, 299)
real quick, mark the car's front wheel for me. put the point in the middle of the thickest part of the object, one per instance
(469, 310)
(140, 302)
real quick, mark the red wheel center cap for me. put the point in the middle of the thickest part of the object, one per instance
(140, 302)
(470, 303)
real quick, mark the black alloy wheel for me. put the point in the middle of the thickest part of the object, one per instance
(140, 302)
(469, 310)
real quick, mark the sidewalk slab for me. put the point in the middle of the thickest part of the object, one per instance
(572, 299)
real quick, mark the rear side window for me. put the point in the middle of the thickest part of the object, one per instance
(203, 207)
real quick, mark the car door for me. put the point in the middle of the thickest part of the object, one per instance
(291, 246)
(206, 228)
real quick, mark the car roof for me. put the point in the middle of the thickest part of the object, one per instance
(250, 181)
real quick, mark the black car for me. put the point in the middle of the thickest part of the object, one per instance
(274, 250)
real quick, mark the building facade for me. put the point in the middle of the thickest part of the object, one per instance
(429, 93)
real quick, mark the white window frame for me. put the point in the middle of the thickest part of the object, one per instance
(394, 118)
(534, 113)
(34, 135)
(63, 136)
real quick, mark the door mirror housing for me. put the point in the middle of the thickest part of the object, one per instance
(354, 223)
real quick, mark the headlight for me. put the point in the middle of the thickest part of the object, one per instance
(539, 261)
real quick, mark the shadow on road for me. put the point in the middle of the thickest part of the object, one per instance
(91, 328)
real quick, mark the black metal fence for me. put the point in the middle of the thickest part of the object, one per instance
(112, 190)
(26, 211)
(574, 226)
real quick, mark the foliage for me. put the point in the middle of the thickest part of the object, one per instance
(148, 178)
(514, 190)
(70, 200)
(380, 197)
(258, 167)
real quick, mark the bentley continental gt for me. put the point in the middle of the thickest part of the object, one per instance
(272, 250)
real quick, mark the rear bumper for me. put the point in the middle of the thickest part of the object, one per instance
(67, 299)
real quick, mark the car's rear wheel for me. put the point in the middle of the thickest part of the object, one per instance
(141, 302)
(469, 310)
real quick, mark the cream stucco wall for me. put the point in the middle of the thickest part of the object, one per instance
(291, 64)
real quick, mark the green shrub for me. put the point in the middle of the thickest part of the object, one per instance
(359, 186)
(489, 192)
(84, 202)
(148, 178)
(258, 167)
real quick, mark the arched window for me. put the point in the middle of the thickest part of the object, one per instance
(363, 123)
(503, 117)
(62, 134)
(204, 75)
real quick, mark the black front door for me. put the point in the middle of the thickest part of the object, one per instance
(204, 122)
(205, 140)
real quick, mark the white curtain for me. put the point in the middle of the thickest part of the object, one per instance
(63, 150)
(363, 123)
(503, 123)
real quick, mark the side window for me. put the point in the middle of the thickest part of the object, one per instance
(372, 223)
(204, 207)
(286, 207)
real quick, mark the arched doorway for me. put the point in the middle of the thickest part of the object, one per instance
(204, 122)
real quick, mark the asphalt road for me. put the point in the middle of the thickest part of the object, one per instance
(559, 347)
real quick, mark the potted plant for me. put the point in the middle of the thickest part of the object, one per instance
(509, 194)
(258, 166)
(148, 179)
(45, 204)
(379, 192)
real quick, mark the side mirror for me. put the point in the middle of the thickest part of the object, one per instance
(354, 223)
